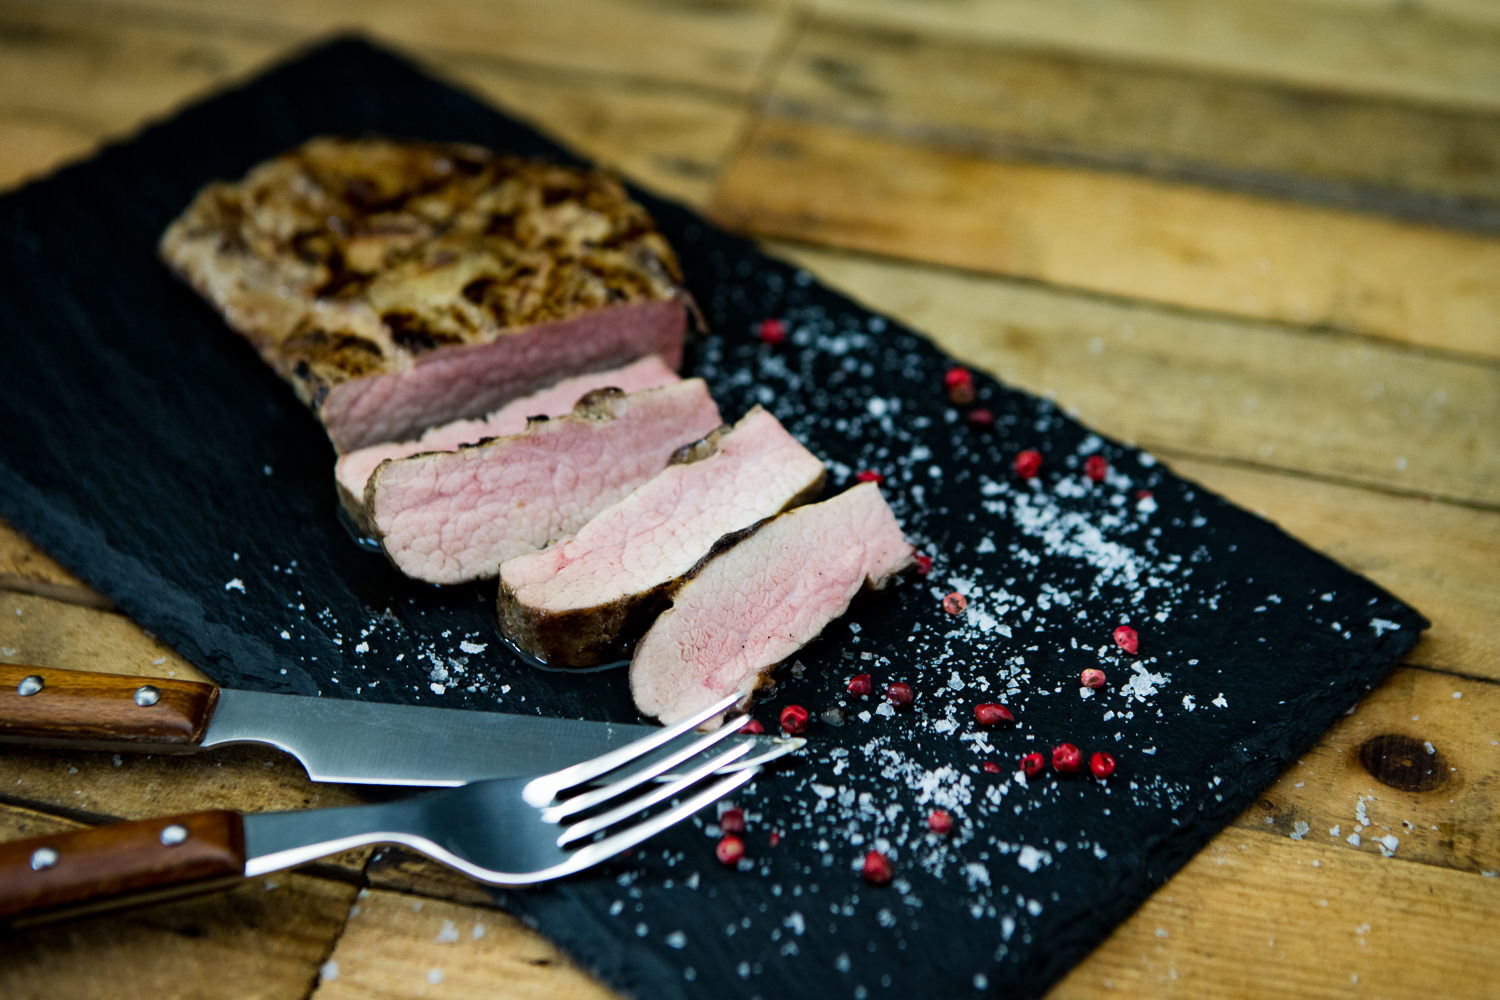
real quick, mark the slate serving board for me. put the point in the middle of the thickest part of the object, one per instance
(147, 448)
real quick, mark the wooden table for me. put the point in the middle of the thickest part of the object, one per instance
(1259, 237)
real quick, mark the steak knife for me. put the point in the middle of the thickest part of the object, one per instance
(355, 742)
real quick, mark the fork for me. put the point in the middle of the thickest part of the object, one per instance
(506, 832)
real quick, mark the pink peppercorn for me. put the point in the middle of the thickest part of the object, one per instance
(1032, 764)
(940, 821)
(900, 694)
(1092, 677)
(869, 476)
(732, 820)
(955, 603)
(1066, 758)
(1096, 468)
(860, 685)
(992, 714)
(1102, 764)
(1028, 463)
(990, 767)
(1127, 639)
(753, 727)
(924, 564)
(772, 332)
(794, 720)
(877, 868)
(730, 849)
(959, 384)
(981, 418)
(775, 838)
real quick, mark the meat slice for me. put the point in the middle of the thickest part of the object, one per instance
(761, 599)
(400, 284)
(353, 469)
(582, 601)
(454, 516)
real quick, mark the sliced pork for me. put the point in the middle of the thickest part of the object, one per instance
(582, 601)
(454, 516)
(400, 284)
(353, 470)
(762, 598)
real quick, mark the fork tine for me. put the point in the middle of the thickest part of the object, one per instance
(629, 780)
(588, 770)
(658, 793)
(602, 850)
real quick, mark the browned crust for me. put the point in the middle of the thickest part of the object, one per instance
(351, 257)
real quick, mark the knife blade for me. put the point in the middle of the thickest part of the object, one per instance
(354, 742)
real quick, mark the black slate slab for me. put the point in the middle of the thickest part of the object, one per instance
(147, 448)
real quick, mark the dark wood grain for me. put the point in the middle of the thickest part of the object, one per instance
(106, 867)
(102, 711)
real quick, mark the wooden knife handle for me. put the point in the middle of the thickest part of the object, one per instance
(48, 707)
(106, 867)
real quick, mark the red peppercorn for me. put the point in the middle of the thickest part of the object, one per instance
(1126, 639)
(1096, 468)
(775, 838)
(1028, 463)
(730, 849)
(900, 694)
(955, 603)
(869, 476)
(1066, 758)
(877, 868)
(794, 720)
(860, 685)
(959, 384)
(992, 714)
(1102, 764)
(772, 331)
(940, 821)
(1092, 677)
(753, 727)
(732, 820)
(924, 564)
(990, 767)
(1032, 764)
(981, 418)
(1143, 494)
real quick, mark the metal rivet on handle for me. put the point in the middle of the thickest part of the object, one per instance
(30, 686)
(43, 858)
(173, 835)
(146, 696)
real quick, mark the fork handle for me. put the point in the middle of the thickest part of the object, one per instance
(121, 864)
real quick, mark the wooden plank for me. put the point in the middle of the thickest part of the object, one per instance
(1119, 234)
(264, 939)
(106, 77)
(1444, 53)
(49, 633)
(1257, 915)
(1326, 405)
(1372, 785)
(26, 568)
(397, 946)
(661, 136)
(1438, 557)
(35, 145)
(719, 45)
(1038, 103)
